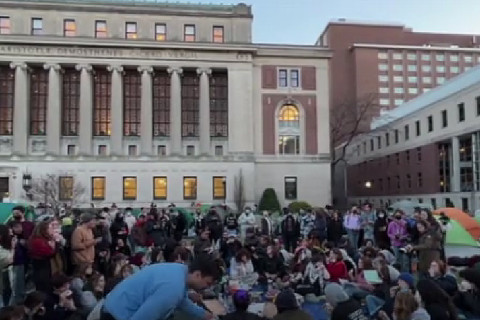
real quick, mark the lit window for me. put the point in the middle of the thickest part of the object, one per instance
(412, 90)
(189, 33)
(5, 25)
(398, 90)
(100, 29)
(425, 57)
(397, 67)
(189, 188)
(398, 102)
(161, 32)
(132, 150)
(412, 79)
(412, 68)
(397, 79)
(440, 80)
(411, 56)
(468, 59)
(71, 150)
(219, 187)
(383, 67)
(131, 30)
(98, 188)
(440, 69)
(440, 57)
(218, 34)
(426, 68)
(383, 78)
(427, 80)
(37, 26)
(69, 28)
(454, 58)
(65, 188)
(397, 56)
(290, 188)
(129, 188)
(454, 69)
(162, 150)
(382, 55)
(383, 90)
(384, 102)
(289, 116)
(160, 188)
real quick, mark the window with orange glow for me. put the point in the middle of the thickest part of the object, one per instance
(161, 32)
(98, 188)
(190, 188)
(218, 34)
(69, 28)
(100, 29)
(160, 188)
(129, 188)
(131, 30)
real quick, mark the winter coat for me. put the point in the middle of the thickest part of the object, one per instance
(397, 232)
(44, 257)
(380, 233)
(139, 234)
(337, 270)
(428, 249)
(335, 230)
(448, 283)
(119, 230)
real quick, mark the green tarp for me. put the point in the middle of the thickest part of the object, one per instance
(457, 235)
(6, 211)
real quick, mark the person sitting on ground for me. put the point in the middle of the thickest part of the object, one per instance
(340, 305)
(467, 298)
(406, 308)
(241, 301)
(202, 243)
(336, 267)
(316, 273)
(288, 308)
(359, 287)
(438, 273)
(93, 292)
(59, 303)
(241, 267)
(272, 266)
(34, 306)
(436, 301)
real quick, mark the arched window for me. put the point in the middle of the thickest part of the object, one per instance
(288, 130)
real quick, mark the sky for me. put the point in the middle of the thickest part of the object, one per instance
(302, 21)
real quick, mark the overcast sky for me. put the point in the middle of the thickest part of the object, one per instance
(302, 21)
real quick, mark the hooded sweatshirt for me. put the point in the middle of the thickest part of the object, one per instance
(343, 306)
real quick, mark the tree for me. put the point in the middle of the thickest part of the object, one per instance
(269, 201)
(51, 190)
(347, 121)
(239, 191)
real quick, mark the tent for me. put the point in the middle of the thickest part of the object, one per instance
(408, 206)
(469, 223)
(459, 242)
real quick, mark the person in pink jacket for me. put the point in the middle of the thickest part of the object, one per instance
(397, 232)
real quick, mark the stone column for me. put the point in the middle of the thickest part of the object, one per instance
(20, 111)
(455, 166)
(175, 111)
(53, 108)
(116, 110)
(86, 109)
(146, 127)
(204, 110)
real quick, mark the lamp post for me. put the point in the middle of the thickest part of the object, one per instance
(27, 184)
(368, 184)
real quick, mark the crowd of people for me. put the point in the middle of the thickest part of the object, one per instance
(112, 264)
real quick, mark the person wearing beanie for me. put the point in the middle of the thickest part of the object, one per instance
(406, 282)
(341, 305)
(288, 308)
(241, 301)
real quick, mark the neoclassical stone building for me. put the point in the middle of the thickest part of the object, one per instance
(142, 101)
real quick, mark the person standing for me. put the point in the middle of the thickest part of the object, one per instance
(290, 232)
(119, 229)
(353, 224)
(267, 225)
(397, 232)
(335, 228)
(18, 214)
(368, 220)
(380, 231)
(231, 222)
(246, 221)
(130, 220)
(7, 252)
(307, 222)
(428, 247)
(83, 241)
(180, 224)
(143, 295)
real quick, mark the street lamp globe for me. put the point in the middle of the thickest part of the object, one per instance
(368, 184)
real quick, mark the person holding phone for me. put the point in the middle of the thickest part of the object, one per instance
(83, 241)
(59, 303)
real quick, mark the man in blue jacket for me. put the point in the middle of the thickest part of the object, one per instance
(156, 291)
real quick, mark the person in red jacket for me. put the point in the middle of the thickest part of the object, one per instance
(42, 250)
(336, 267)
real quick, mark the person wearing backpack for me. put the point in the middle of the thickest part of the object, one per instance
(290, 231)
